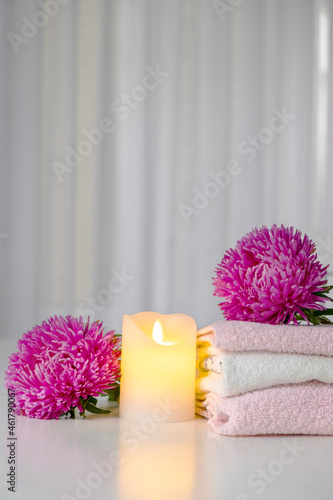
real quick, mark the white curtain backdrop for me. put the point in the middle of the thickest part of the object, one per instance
(141, 138)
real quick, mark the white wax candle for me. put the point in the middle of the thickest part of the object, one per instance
(158, 376)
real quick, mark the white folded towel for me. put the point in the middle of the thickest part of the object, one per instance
(233, 373)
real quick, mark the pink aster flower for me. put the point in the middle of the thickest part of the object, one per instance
(63, 364)
(272, 276)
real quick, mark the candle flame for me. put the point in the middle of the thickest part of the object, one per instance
(158, 334)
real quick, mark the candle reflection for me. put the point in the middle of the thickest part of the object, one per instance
(158, 461)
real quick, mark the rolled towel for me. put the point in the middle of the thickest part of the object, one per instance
(291, 409)
(234, 373)
(248, 336)
(210, 364)
(207, 357)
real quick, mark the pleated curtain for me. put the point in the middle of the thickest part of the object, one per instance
(141, 138)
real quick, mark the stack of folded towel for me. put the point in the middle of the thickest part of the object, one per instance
(256, 378)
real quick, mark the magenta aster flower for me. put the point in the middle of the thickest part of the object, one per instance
(63, 364)
(272, 276)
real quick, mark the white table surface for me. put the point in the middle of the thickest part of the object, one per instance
(179, 461)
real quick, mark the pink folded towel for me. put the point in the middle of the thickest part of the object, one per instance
(290, 409)
(248, 336)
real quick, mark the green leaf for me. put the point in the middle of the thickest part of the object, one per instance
(325, 321)
(70, 413)
(114, 394)
(93, 409)
(324, 311)
(84, 402)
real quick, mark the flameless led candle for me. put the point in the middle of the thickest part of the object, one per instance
(158, 367)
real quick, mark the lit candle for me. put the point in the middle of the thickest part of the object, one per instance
(158, 367)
